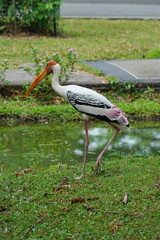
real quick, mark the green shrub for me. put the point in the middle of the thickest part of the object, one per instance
(33, 16)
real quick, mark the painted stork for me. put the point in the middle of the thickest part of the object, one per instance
(87, 102)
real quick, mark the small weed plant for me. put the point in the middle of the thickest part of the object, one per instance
(126, 86)
(67, 67)
(3, 67)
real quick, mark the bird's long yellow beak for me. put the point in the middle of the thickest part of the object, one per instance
(42, 75)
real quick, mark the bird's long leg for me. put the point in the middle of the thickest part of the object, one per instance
(98, 162)
(85, 149)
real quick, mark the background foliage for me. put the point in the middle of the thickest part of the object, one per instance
(33, 16)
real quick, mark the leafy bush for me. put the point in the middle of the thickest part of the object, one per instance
(33, 16)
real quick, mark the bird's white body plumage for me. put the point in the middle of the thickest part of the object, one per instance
(89, 102)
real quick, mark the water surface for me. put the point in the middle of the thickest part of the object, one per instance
(41, 145)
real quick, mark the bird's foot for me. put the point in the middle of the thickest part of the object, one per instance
(97, 169)
(99, 161)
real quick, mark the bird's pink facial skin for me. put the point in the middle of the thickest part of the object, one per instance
(46, 71)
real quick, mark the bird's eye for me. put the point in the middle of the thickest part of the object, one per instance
(48, 68)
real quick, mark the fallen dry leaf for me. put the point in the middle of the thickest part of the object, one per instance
(80, 199)
(21, 172)
(77, 200)
(128, 99)
(113, 228)
(125, 198)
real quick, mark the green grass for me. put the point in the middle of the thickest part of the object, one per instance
(136, 106)
(51, 204)
(92, 38)
(35, 110)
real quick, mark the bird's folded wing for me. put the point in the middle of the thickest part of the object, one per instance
(98, 107)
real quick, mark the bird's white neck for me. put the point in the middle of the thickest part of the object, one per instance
(55, 81)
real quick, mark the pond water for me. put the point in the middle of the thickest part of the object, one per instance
(41, 145)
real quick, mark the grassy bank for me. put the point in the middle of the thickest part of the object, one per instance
(119, 203)
(136, 106)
